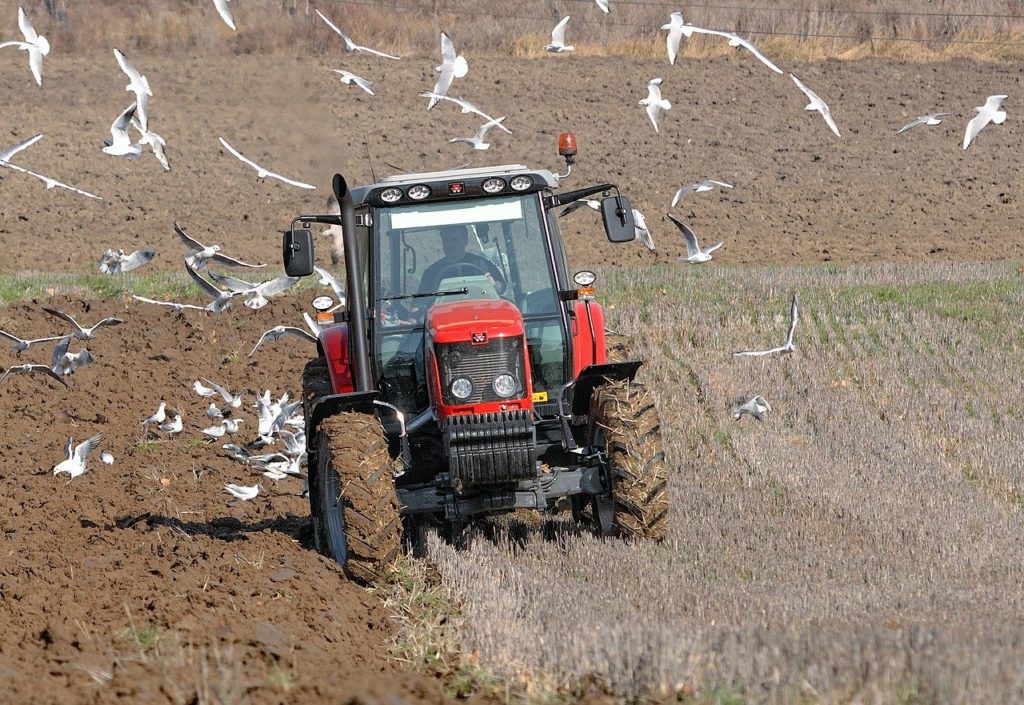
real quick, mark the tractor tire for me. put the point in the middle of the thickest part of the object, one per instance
(352, 497)
(316, 382)
(625, 422)
(616, 347)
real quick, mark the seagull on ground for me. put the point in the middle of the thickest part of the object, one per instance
(80, 332)
(221, 299)
(640, 230)
(35, 44)
(703, 186)
(349, 79)
(463, 104)
(233, 400)
(107, 458)
(173, 426)
(352, 46)
(155, 142)
(477, 140)
(756, 407)
(200, 253)
(931, 119)
(989, 112)
(558, 44)
(137, 84)
(19, 345)
(74, 460)
(120, 143)
(654, 102)
(213, 412)
(237, 452)
(224, 12)
(159, 417)
(256, 295)
(816, 104)
(694, 254)
(278, 332)
(176, 307)
(241, 492)
(262, 173)
(452, 66)
(231, 425)
(31, 369)
(214, 432)
(117, 262)
(788, 346)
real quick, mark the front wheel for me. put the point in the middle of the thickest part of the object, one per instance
(352, 497)
(625, 424)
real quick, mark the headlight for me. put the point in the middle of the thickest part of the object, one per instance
(504, 385)
(520, 183)
(391, 195)
(418, 192)
(493, 185)
(462, 388)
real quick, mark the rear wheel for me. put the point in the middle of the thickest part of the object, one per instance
(352, 498)
(625, 423)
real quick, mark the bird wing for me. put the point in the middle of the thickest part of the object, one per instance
(220, 390)
(83, 449)
(909, 125)
(50, 183)
(278, 332)
(719, 183)
(59, 350)
(133, 76)
(641, 231)
(233, 283)
(993, 102)
(811, 95)
(277, 286)
(18, 342)
(974, 127)
(64, 317)
(327, 279)
(829, 120)
(444, 82)
(368, 50)
(680, 193)
(26, 27)
(35, 64)
(187, 240)
(365, 84)
(68, 452)
(572, 207)
(447, 49)
(755, 353)
(232, 262)
(793, 316)
(314, 327)
(109, 321)
(166, 303)
(558, 33)
(349, 44)
(11, 151)
(41, 368)
(239, 156)
(692, 248)
(137, 259)
(225, 14)
(652, 112)
(740, 41)
(119, 128)
(603, 5)
(292, 182)
(206, 286)
(486, 127)
(713, 248)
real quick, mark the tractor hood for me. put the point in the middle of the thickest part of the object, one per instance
(474, 321)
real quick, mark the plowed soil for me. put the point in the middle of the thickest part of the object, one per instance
(141, 581)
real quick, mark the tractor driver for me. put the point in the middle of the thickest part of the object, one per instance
(457, 262)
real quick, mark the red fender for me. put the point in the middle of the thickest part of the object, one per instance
(587, 329)
(334, 343)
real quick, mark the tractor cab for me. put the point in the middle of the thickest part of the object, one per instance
(469, 349)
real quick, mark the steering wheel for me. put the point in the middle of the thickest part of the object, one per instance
(442, 276)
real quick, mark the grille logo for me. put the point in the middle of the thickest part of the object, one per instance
(478, 338)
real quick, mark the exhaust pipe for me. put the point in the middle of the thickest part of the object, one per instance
(356, 303)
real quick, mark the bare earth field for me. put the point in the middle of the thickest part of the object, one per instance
(802, 195)
(140, 582)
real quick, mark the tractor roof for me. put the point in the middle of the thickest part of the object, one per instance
(542, 178)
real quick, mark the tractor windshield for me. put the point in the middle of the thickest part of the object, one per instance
(482, 248)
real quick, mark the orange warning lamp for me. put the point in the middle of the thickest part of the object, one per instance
(567, 146)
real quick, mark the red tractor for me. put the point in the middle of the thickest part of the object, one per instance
(468, 373)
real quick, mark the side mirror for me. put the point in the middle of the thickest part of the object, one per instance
(297, 251)
(618, 219)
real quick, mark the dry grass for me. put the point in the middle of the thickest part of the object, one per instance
(800, 29)
(862, 544)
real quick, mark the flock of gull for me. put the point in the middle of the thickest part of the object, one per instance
(131, 133)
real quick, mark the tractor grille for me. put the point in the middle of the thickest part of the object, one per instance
(480, 364)
(487, 450)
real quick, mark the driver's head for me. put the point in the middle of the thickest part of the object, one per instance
(454, 239)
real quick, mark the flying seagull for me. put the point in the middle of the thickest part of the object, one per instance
(120, 144)
(155, 142)
(327, 279)
(6, 154)
(36, 45)
(654, 102)
(200, 253)
(641, 231)
(80, 332)
(352, 46)
(788, 347)
(241, 492)
(260, 171)
(464, 104)
(31, 369)
(931, 119)
(703, 186)
(176, 307)
(817, 104)
(65, 363)
(989, 112)
(224, 12)
(736, 40)
(50, 183)
(694, 254)
(233, 400)
(117, 262)
(452, 66)
(137, 84)
(756, 407)
(675, 33)
(221, 299)
(74, 460)
(278, 332)
(256, 295)
(19, 345)
(477, 140)
(558, 44)
(351, 79)
(591, 203)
